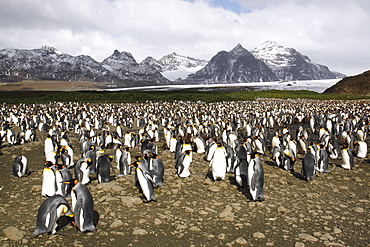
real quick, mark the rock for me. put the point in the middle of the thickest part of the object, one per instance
(13, 233)
(140, 232)
(259, 235)
(189, 210)
(241, 241)
(116, 223)
(36, 188)
(359, 210)
(214, 189)
(157, 221)
(129, 201)
(281, 209)
(299, 244)
(326, 236)
(336, 230)
(221, 236)
(307, 237)
(194, 229)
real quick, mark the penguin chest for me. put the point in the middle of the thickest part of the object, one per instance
(85, 173)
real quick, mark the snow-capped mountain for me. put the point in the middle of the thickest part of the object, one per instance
(289, 64)
(268, 62)
(49, 64)
(174, 66)
(235, 66)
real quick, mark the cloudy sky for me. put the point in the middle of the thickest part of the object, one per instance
(335, 33)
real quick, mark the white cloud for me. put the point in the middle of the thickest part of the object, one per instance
(331, 32)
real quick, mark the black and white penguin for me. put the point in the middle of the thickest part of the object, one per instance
(144, 180)
(124, 162)
(49, 186)
(67, 176)
(241, 170)
(323, 160)
(361, 149)
(20, 166)
(308, 165)
(92, 154)
(218, 162)
(103, 167)
(347, 158)
(182, 165)
(82, 170)
(49, 212)
(83, 207)
(157, 169)
(256, 178)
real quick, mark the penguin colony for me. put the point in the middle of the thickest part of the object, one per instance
(235, 138)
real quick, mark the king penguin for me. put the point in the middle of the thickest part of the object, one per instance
(347, 158)
(308, 166)
(256, 178)
(20, 166)
(49, 186)
(124, 162)
(49, 212)
(219, 163)
(103, 168)
(183, 164)
(83, 207)
(144, 180)
(158, 169)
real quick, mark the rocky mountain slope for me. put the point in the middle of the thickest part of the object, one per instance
(352, 85)
(49, 64)
(268, 62)
(237, 65)
(289, 64)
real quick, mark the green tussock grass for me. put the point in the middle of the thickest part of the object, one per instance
(29, 97)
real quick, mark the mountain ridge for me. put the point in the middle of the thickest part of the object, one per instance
(235, 66)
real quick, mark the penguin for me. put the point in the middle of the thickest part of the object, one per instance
(334, 148)
(158, 169)
(183, 164)
(288, 160)
(91, 154)
(347, 158)
(83, 207)
(49, 212)
(65, 157)
(323, 160)
(48, 145)
(218, 163)
(67, 176)
(49, 186)
(256, 178)
(124, 162)
(20, 166)
(200, 144)
(308, 166)
(103, 167)
(82, 170)
(241, 171)
(277, 155)
(144, 180)
(361, 149)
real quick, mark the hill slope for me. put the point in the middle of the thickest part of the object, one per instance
(352, 85)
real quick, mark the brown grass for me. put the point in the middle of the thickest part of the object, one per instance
(48, 86)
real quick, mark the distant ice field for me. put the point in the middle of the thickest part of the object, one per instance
(318, 86)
